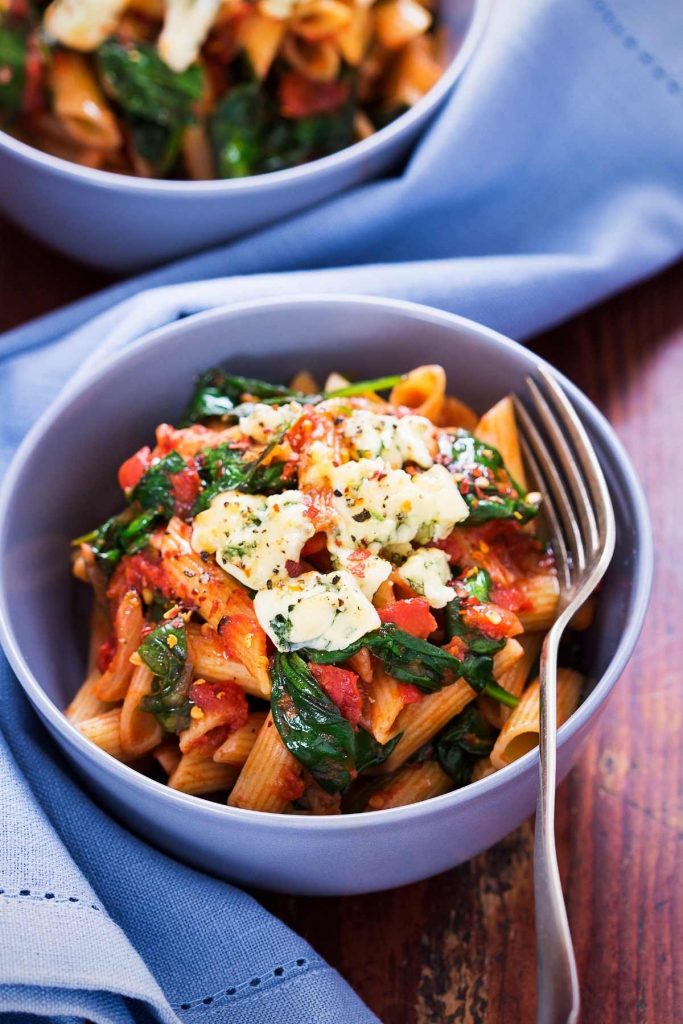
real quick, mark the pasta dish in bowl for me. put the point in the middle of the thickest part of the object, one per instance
(211, 88)
(321, 601)
(320, 703)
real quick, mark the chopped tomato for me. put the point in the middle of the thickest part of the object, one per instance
(512, 598)
(290, 784)
(491, 620)
(106, 653)
(501, 547)
(294, 569)
(185, 486)
(412, 615)
(33, 99)
(409, 693)
(316, 543)
(225, 699)
(131, 471)
(341, 686)
(302, 97)
(137, 572)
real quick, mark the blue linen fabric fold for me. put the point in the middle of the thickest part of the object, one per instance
(552, 177)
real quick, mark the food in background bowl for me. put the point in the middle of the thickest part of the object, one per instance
(210, 88)
(321, 601)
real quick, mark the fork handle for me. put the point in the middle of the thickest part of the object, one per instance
(557, 980)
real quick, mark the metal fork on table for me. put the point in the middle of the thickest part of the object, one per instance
(580, 519)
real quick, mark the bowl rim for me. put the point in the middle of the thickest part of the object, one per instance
(356, 152)
(128, 776)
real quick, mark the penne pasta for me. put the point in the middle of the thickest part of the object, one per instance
(498, 427)
(105, 732)
(113, 683)
(271, 776)
(260, 37)
(197, 773)
(80, 104)
(423, 391)
(412, 784)
(236, 748)
(512, 677)
(211, 661)
(417, 723)
(543, 594)
(386, 703)
(140, 731)
(519, 735)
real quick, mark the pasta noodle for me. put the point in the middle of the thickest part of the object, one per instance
(519, 735)
(271, 777)
(197, 774)
(412, 784)
(319, 601)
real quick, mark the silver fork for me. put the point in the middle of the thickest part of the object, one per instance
(580, 519)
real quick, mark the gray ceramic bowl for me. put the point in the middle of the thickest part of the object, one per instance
(124, 223)
(116, 407)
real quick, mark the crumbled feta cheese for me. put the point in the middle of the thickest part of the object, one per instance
(325, 612)
(369, 570)
(263, 421)
(427, 572)
(393, 439)
(82, 24)
(376, 506)
(186, 26)
(253, 536)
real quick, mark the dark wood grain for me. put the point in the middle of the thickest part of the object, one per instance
(460, 947)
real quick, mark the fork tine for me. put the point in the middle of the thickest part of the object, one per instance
(555, 486)
(586, 454)
(550, 512)
(582, 501)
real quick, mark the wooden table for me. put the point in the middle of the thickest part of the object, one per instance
(459, 949)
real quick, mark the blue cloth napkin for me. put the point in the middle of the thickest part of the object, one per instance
(553, 177)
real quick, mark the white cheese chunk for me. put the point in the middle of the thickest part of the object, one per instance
(376, 506)
(82, 24)
(253, 536)
(186, 26)
(325, 612)
(393, 439)
(262, 422)
(369, 570)
(427, 572)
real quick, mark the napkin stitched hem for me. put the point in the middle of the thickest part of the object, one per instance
(658, 72)
(280, 976)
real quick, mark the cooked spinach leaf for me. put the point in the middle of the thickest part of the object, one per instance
(314, 730)
(157, 144)
(250, 136)
(412, 660)
(485, 483)
(144, 86)
(164, 652)
(154, 491)
(217, 393)
(12, 74)
(478, 662)
(225, 469)
(123, 534)
(468, 737)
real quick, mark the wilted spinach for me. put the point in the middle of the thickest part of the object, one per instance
(314, 730)
(468, 737)
(154, 491)
(225, 469)
(250, 136)
(164, 652)
(12, 64)
(123, 534)
(485, 483)
(416, 661)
